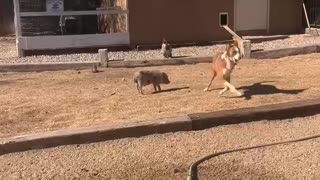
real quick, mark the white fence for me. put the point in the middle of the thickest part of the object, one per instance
(62, 41)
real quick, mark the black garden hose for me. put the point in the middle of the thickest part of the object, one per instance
(193, 171)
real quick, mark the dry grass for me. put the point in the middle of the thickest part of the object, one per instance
(33, 102)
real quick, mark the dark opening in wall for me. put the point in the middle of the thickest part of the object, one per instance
(223, 19)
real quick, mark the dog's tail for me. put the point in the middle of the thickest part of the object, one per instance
(136, 77)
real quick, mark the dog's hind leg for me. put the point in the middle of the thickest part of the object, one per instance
(225, 89)
(232, 88)
(139, 87)
(213, 76)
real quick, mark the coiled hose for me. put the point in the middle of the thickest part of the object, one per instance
(193, 171)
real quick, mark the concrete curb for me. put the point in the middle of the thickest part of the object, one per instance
(45, 67)
(267, 112)
(158, 62)
(197, 121)
(279, 53)
(93, 134)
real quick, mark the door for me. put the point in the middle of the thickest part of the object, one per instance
(251, 15)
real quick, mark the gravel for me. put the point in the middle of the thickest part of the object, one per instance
(8, 51)
(169, 156)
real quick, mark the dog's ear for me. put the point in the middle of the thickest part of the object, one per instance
(164, 40)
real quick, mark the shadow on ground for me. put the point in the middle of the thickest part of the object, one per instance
(235, 169)
(5, 82)
(171, 90)
(265, 89)
(179, 56)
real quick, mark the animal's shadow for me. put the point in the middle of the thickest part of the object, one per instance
(265, 89)
(170, 90)
(5, 82)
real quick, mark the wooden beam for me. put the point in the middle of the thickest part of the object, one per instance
(232, 33)
(73, 13)
(73, 41)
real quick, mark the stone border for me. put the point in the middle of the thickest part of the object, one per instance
(46, 67)
(279, 53)
(312, 31)
(268, 54)
(158, 62)
(196, 121)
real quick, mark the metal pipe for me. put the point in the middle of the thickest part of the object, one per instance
(193, 171)
(306, 15)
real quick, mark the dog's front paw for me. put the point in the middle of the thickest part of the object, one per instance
(222, 95)
(239, 94)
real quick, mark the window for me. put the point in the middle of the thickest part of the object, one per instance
(223, 19)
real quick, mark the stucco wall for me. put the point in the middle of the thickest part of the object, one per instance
(286, 16)
(6, 17)
(178, 20)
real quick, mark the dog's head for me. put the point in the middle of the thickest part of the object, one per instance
(164, 41)
(165, 78)
(233, 51)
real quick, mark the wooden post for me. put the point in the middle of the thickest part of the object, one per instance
(103, 54)
(17, 25)
(245, 45)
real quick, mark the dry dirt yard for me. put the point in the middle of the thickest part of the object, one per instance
(34, 102)
(168, 156)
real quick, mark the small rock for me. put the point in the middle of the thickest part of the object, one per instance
(84, 169)
(176, 170)
(95, 173)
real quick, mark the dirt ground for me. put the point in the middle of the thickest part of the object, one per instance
(7, 47)
(34, 102)
(169, 156)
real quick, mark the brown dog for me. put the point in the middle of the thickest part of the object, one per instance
(222, 66)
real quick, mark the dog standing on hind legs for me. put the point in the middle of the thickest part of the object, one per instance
(166, 49)
(222, 66)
